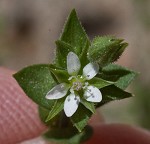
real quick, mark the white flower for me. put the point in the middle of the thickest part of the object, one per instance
(76, 84)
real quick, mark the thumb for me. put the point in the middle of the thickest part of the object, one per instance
(19, 118)
(119, 134)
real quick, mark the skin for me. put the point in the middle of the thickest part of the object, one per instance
(19, 121)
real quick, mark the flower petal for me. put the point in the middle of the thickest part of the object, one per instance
(92, 94)
(73, 64)
(71, 104)
(58, 91)
(90, 70)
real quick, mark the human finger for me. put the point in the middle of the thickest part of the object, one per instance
(19, 118)
(119, 134)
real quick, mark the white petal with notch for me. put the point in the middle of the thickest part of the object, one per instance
(73, 64)
(92, 94)
(71, 104)
(58, 91)
(90, 70)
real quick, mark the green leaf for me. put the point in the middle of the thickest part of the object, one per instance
(83, 56)
(68, 135)
(118, 74)
(62, 51)
(106, 49)
(74, 34)
(81, 117)
(43, 113)
(72, 39)
(60, 74)
(36, 81)
(99, 83)
(111, 93)
(90, 106)
(57, 108)
(57, 121)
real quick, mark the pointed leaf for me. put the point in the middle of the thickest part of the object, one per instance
(36, 81)
(99, 83)
(81, 117)
(57, 108)
(88, 105)
(83, 56)
(106, 49)
(43, 113)
(53, 123)
(62, 51)
(74, 34)
(118, 74)
(111, 93)
(60, 74)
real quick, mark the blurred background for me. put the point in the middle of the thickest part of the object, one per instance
(29, 28)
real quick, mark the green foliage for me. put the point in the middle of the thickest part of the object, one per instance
(56, 109)
(43, 113)
(36, 81)
(83, 56)
(106, 49)
(74, 34)
(111, 93)
(88, 105)
(60, 74)
(52, 123)
(81, 117)
(118, 74)
(68, 136)
(99, 83)
(62, 51)
(73, 39)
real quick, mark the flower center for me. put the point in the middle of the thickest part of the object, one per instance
(77, 85)
(77, 82)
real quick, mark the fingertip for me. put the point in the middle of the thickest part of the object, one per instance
(19, 118)
(119, 134)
